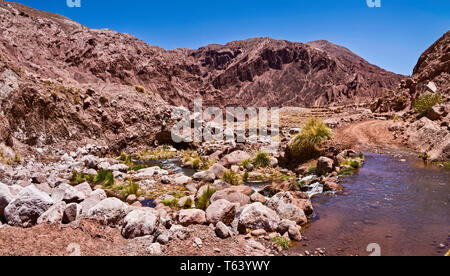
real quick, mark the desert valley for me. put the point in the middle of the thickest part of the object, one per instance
(88, 164)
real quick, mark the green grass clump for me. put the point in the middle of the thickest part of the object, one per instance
(312, 170)
(131, 188)
(246, 163)
(170, 203)
(231, 178)
(346, 171)
(104, 178)
(283, 242)
(187, 204)
(307, 143)
(424, 104)
(204, 200)
(126, 159)
(355, 164)
(245, 176)
(261, 160)
(425, 156)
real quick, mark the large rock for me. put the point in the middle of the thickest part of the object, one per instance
(437, 112)
(71, 213)
(54, 214)
(139, 223)
(207, 176)
(84, 188)
(324, 165)
(218, 170)
(27, 207)
(191, 216)
(232, 196)
(234, 158)
(289, 207)
(258, 216)
(110, 210)
(221, 210)
(5, 197)
(68, 194)
(222, 231)
(95, 198)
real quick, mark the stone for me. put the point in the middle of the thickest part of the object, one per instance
(257, 197)
(110, 210)
(155, 249)
(131, 199)
(178, 232)
(206, 176)
(95, 197)
(332, 186)
(68, 194)
(232, 196)
(222, 231)
(324, 165)
(84, 188)
(165, 179)
(27, 207)
(198, 242)
(15, 189)
(71, 213)
(5, 197)
(139, 223)
(284, 226)
(259, 232)
(221, 211)
(294, 233)
(287, 207)
(182, 180)
(218, 170)
(234, 158)
(54, 214)
(273, 162)
(294, 130)
(191, 216)
(258, 216)
(437, 112)
(163, 238)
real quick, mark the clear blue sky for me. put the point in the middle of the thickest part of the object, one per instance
(392, 37)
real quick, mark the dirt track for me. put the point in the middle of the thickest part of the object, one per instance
(368, 135)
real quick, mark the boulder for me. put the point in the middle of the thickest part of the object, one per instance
(191, 216)
(84, 188)
(284, 226)
(222, 231)
(332, 186)
(71, 213)
(5, 197)
(27, 207)
(206, 176)
(221, 210)
(257, 197)
(182, 180)
(234, 158)
(294, 233)
(258, 216)
(54, 214)
(139, 223)
(324, 165)
(110, 210)
(68, 194)
(218, 170)
(232, 196)
(95, 198)
(289, 207)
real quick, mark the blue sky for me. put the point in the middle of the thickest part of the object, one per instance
(392, 37)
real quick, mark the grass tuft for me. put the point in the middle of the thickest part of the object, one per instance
(425, 103)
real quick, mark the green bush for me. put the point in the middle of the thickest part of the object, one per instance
(105, 178)
(231, 178)
(261, 159)
(132, 188)
(245, 176)
(138, 167)
(283, 242)
(307, 143)
(204, 200)
(424, 103)
(170, 203)
(246, 163)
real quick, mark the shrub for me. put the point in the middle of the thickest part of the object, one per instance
(126, 159)
(312, 170)
(170, 203)
(77, 178)
(425, 103)
(204, 200)
(138, 167)
(307, 143)
(245, 176)
(246, 163)
(355, 164)
(231, 178)
(187, 204)
(262, 159)
(105, 178)
(139, 89)
(283, 242)
(131, 189)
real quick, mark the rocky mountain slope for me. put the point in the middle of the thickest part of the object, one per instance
(258, 71)
(428, 133)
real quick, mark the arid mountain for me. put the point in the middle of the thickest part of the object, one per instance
(258, 71)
